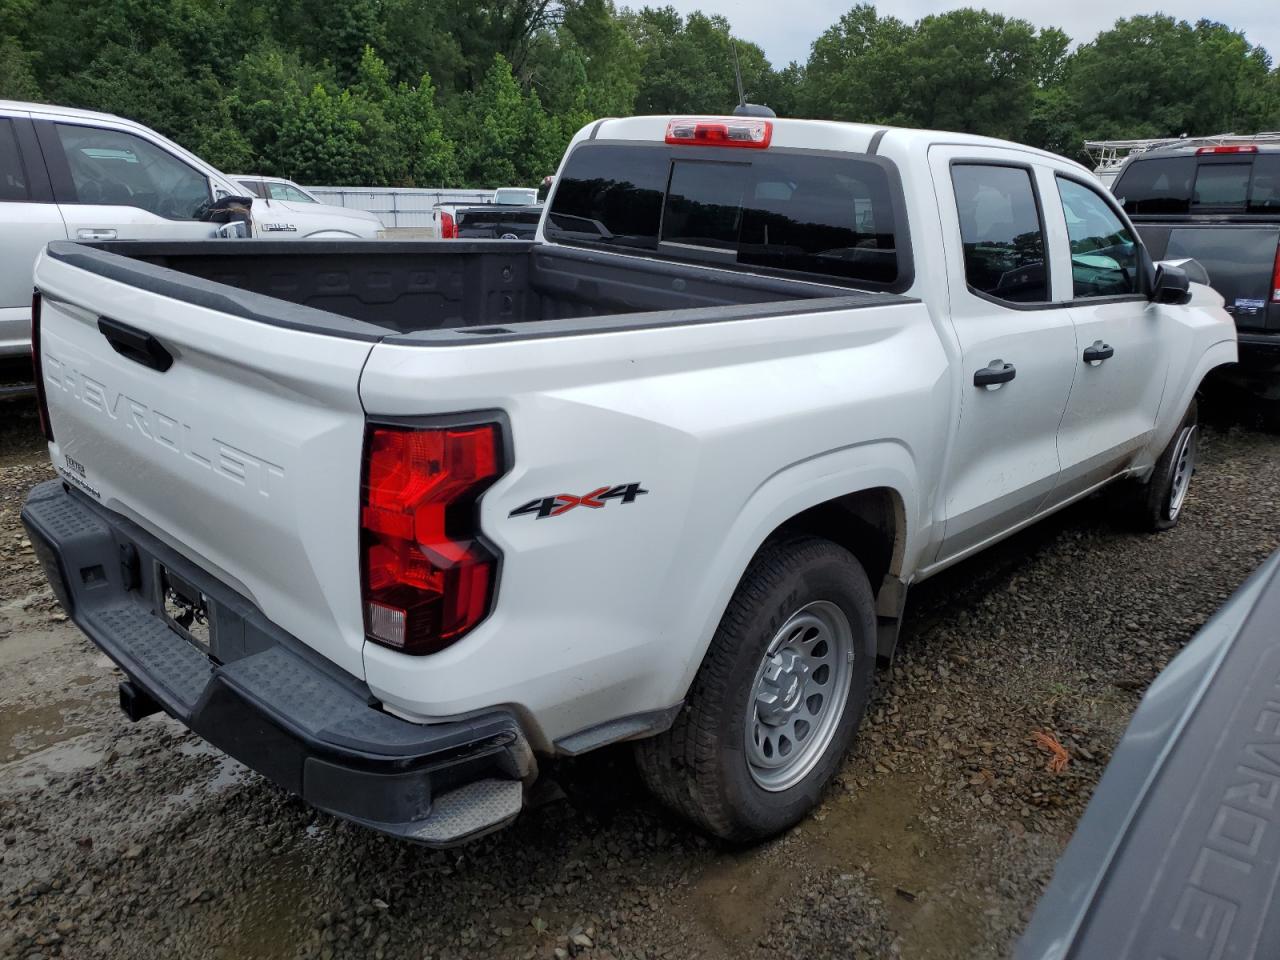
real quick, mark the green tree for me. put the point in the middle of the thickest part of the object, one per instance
(855, 70)
(321, 140)
(444, 92)
(485, 30)
(1157, 76)
(336, 31)
(610, 57)
(972, 71)
(17, 79)
(687, 64)
(418, 40)
(504, 136)
(429, 157)
(491, 127)
(266, 86)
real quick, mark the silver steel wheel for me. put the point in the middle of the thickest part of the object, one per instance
(1184, 464)
(799, 695)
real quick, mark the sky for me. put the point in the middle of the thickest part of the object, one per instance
(786, 28)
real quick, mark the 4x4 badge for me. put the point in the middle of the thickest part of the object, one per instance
(564, 502)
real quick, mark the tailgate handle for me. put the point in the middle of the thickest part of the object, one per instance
(136, 345)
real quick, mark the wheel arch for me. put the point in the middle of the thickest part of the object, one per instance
(330, 233)
(864, 498)
(869, 523)
(1217, 355)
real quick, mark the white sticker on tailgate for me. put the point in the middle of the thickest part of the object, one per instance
(74, 473)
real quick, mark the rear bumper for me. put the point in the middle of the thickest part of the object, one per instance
(1258, 370)
(266, 699)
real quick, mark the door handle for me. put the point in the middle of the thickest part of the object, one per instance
(96, 233)
(1098, 352)
(994, 373)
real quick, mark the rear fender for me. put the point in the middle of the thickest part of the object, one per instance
(789, 492)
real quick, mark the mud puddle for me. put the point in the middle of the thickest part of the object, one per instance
(879, 832)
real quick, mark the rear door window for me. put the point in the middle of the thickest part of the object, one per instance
(13, 177)
(1001, 232)
(793, 212)
(1221, 185)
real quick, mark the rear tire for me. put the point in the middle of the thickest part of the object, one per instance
(1162, 498)
(778, 698)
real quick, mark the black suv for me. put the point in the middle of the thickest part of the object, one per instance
(1220, 203)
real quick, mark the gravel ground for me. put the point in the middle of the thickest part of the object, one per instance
(136, 840)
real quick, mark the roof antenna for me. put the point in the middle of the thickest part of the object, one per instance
(744, 109)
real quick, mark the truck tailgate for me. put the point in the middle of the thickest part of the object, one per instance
(1240, 258)
(241, 451)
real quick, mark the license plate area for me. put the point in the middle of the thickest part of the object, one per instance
(186, 609)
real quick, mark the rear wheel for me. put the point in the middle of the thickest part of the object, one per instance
(1164, 495)
(777, 699)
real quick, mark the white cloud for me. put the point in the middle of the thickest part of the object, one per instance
(785, 30)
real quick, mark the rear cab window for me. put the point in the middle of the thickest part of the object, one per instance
(1264, 192)
(1156, 187)
(1221, 185)
(1238, 183)
(835, 218)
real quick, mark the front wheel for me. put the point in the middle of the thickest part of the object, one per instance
(778, 698)
(1165, 493)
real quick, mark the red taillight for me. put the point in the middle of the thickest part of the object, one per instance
(37, 370)
(1232, 148)
(428, 576)
(1275, 279)
(448, 227)
(727, 132)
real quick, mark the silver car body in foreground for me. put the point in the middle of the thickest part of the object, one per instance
(1178, 853)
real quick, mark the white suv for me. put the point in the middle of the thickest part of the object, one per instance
(73, 174)
(275, 188)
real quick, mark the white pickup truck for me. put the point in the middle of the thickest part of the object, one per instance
(81, 175)
(394, 524)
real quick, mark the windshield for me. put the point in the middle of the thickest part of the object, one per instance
(283, 190)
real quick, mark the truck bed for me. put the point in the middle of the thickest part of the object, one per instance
(483, 288)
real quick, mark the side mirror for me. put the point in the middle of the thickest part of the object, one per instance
(235, 230)
(1170, 285)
